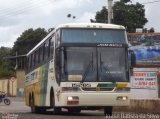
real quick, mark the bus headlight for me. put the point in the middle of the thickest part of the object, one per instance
(124, 98)
(72, 100)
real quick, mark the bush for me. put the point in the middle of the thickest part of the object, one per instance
(6, 73)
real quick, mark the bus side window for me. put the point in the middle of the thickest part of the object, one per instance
(29, 62)
(57, 41)
(52, 46)
(46, 49)
(32, 60)
(41, 54)
(49, 45)
(36, 58)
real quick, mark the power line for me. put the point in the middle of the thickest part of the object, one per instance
(151, 2)
(13, 12)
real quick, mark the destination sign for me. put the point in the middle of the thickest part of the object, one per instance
(111, 45)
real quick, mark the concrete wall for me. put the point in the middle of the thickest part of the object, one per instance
(13, 87)
(20, 74)
(9, 86)
(141, 106)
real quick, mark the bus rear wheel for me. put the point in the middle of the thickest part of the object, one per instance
(35, 109)
(108, 111)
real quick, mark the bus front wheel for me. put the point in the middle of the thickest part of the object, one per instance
(108, 111)
(74, 111)
(56, 110)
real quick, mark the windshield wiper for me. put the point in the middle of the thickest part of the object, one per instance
(87, 69)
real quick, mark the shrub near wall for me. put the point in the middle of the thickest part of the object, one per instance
(5, 73)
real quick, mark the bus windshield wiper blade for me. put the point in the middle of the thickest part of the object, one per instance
(87, 69)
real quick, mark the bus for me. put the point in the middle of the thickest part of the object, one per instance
(79, 66)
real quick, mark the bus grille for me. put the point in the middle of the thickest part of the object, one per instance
(97, 89)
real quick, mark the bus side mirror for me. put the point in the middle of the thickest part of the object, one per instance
(132, 58)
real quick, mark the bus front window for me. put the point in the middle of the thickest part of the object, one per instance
(79, 64)
(94, 64)
(112, 64)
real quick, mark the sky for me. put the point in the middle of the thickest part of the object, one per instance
(16, 16)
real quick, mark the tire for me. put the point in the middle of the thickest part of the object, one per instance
(56, 110)
(40, 110)
(74, 111)
(108, 111)
(1, 100)
(37, 110)
(33, 108)
(7, 101)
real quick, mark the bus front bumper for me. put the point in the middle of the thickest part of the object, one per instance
(94, 99)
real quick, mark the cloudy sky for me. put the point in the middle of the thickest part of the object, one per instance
(19, 15)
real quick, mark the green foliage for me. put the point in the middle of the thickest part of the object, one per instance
(24, 43)
(5, 64)
(151, 30)
(131, 16)
(27, 40)
(4, 72)
(102, 16)
(3, 53)
(125, 1)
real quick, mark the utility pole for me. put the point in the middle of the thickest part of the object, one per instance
(110, 11)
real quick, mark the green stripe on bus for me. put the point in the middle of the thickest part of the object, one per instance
(111, 85)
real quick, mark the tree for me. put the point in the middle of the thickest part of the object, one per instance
(144, 30)
(151, 30)
(131, 16)
(101, 16)
(5, 64)
(27, 40)
(125, 1)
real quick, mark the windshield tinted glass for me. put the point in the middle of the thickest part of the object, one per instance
(93, 36)
(94, 64)
(79, 64)
(112, 64)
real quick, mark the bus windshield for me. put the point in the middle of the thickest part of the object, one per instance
(93, 36)
(94, 64)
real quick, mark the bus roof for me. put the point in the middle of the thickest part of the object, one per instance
(91, 25)
(78, 25)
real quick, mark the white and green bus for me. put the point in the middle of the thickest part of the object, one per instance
(79, 66)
